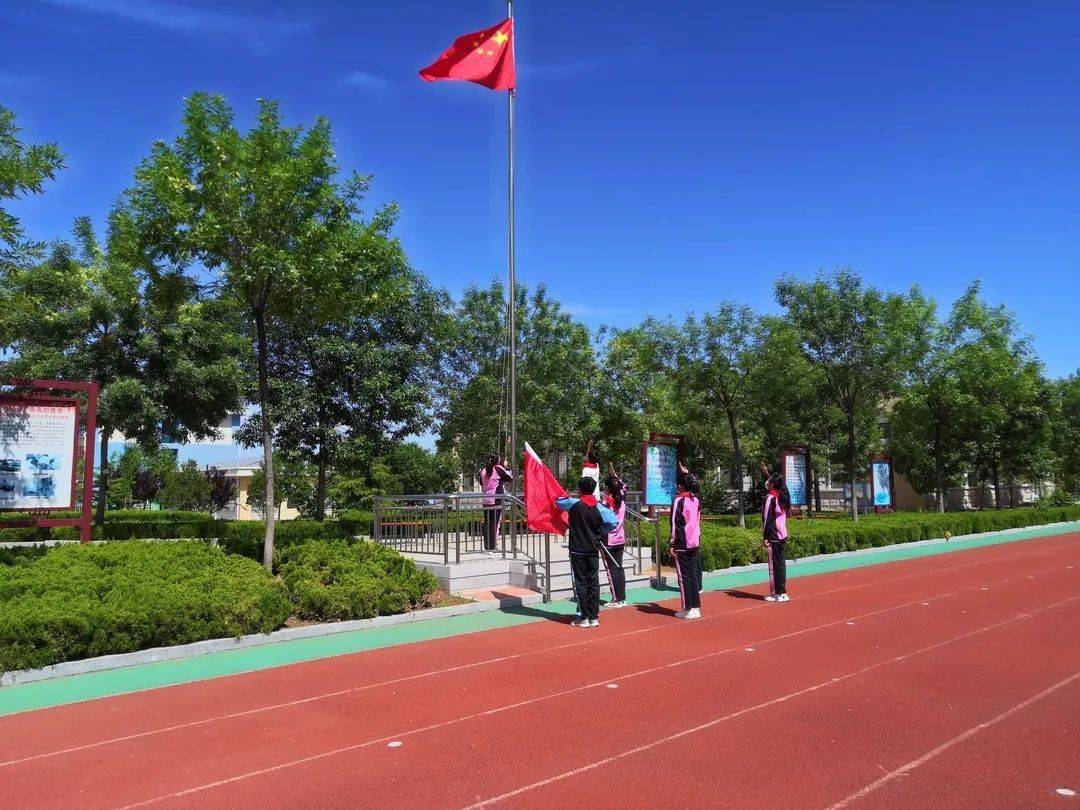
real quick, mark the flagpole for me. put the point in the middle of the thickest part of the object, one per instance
(512, 328)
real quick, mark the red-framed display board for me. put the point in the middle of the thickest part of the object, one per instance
(40, 451)
(882, 485)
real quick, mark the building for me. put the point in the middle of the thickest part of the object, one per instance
(241, 471)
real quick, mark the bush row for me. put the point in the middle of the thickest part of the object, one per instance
(81, 601)
(241, 536)
(726, 546)
(332, 581)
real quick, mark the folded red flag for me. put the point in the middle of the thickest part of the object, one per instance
(541, 490)
(485, 57)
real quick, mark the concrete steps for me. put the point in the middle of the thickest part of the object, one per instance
(527, 574)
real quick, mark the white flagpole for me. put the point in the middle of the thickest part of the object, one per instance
(510, 259)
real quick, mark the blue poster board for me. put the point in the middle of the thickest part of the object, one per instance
(882, 483)
(795, 477)
(661, 470)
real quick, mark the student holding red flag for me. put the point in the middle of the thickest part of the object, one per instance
(590, 523)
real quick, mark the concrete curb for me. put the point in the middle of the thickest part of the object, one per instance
(158, 654)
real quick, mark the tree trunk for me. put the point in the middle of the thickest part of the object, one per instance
(740, 505)
(939, 477)
(320, 484)
(851, 465)
(103, 476)
(997, 485)
(269, 506)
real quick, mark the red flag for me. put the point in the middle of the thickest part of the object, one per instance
(485, 57)
(541, 490)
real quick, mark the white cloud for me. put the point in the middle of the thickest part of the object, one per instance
(367, 81)
(184, 19)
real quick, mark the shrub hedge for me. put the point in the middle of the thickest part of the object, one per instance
(336, 580)
(81, 601)
(240, 536)
(724, 546)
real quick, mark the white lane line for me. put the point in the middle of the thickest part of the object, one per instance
(461, 667)
(903, 770)
(782, 699)
(573, 690)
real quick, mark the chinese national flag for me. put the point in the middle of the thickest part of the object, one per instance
(541, 490)
(486, 57)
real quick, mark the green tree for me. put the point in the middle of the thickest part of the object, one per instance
(264, 214)
(637, 390)
(1007, 423)
(723, 350)
(1066, 434)
(368, 374)
(419, 470)
(166, 360)
(862, 342)
(24, 169)
(186, 487)
(556, 376)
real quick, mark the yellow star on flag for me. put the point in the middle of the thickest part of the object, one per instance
(500, 37)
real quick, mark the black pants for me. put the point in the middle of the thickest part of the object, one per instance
(612, 556)
(585, 571)
(688, 570)
(492, 524)
(778, 566)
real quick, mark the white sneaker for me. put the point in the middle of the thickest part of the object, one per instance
(594, 622)
(783, 598)
(772, 597)
(615, 604)
(581, 623)
(693, 613)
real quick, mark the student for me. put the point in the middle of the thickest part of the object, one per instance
(591, 466)
(590, 522)
(685, 542)
(494, 477)
(774, 535)
(615, 500)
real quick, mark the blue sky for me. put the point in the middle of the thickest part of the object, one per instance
(670, 155)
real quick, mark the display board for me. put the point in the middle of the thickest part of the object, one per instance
(796, 468)
(38, 446)
(659, 469)
(881, 483)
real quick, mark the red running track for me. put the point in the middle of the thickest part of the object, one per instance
(943, 681)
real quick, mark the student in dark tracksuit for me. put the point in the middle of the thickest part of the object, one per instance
(590, 522)
(774, 535)
(685, 543)
(612, 558)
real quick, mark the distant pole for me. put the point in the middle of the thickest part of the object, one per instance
(510, 260)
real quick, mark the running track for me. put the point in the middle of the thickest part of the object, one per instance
(943, 681)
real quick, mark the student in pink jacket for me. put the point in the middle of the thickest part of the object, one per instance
(686, 543)
(774, 535)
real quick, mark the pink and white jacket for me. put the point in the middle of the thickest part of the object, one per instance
(492, 484)
(773, 518)
(685, 521)
(617, 536)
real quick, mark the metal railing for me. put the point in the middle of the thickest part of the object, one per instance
(458, 526)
